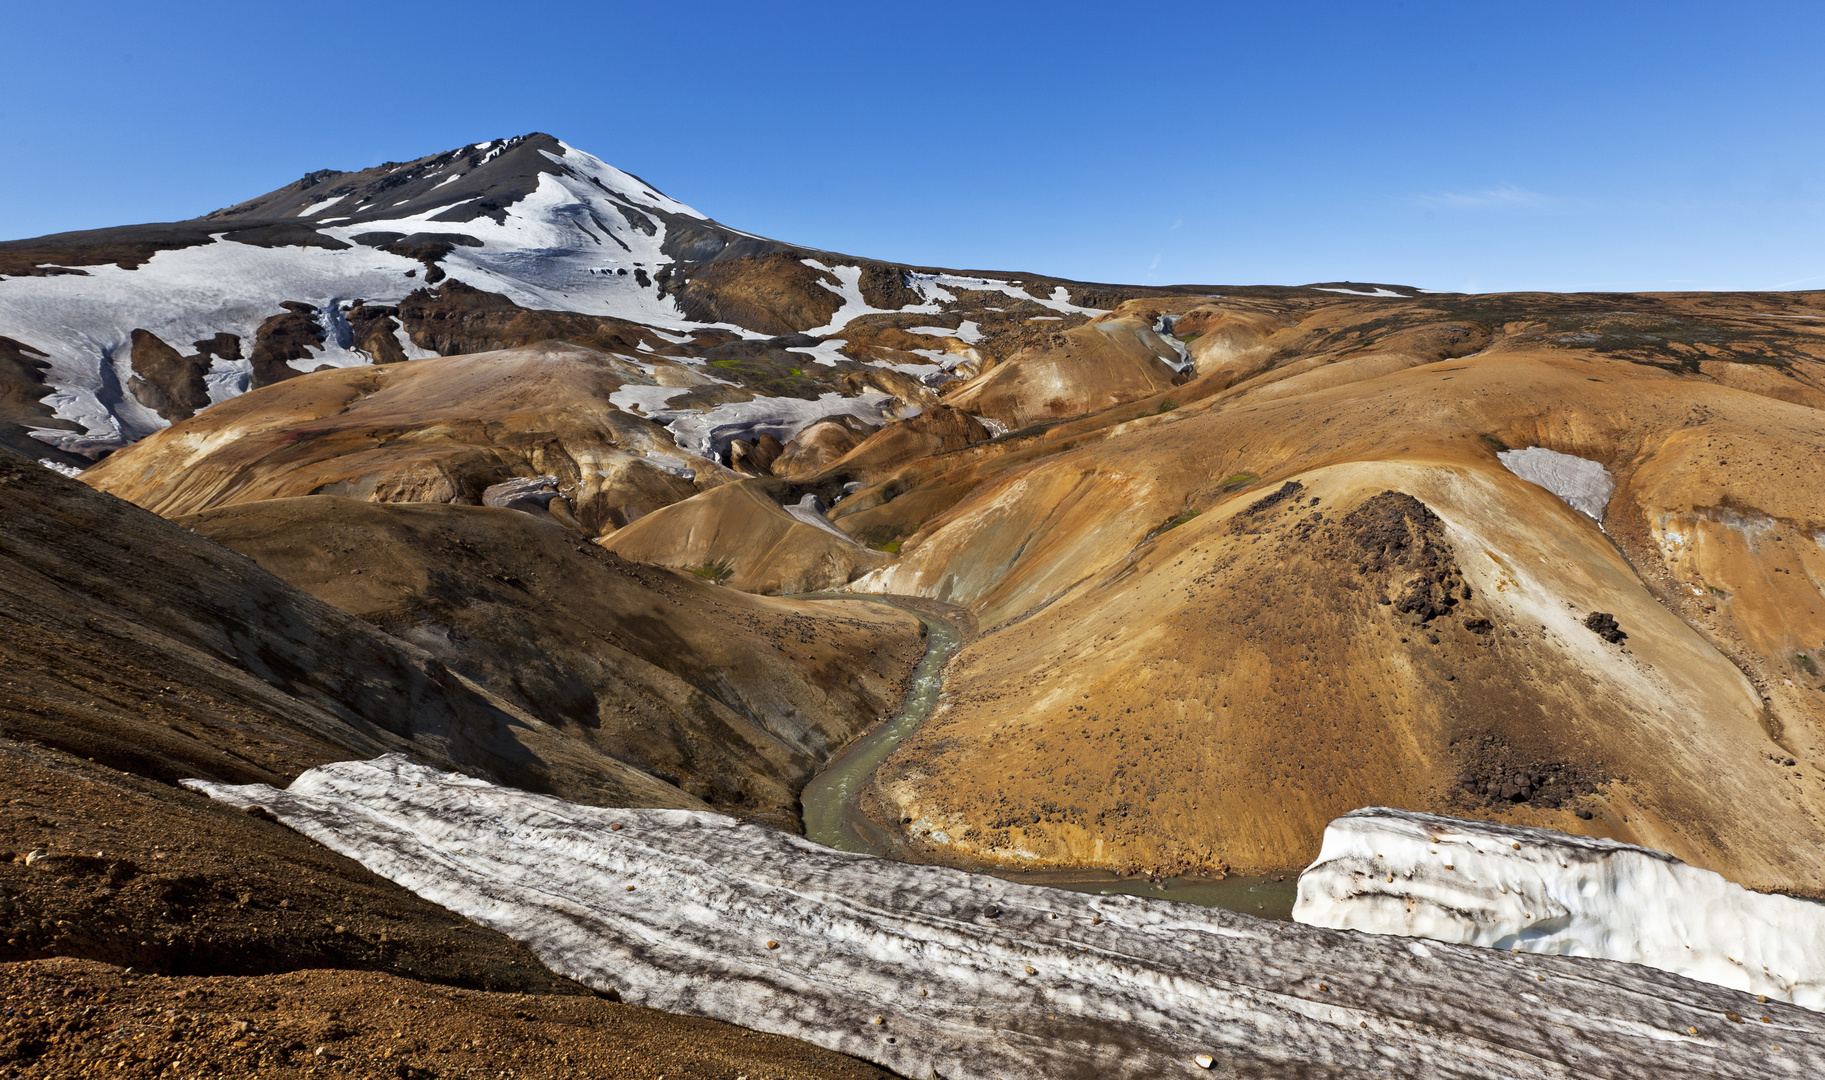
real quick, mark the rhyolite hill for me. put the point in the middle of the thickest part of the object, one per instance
(1238, 559)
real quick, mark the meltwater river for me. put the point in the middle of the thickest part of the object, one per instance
(833, 817)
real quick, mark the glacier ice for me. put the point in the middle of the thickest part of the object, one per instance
(1511, 887)
(931, 971)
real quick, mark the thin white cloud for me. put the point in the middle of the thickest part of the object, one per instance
(1506, 197)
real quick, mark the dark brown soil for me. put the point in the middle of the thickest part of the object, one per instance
(226, 346)
(374, 326)
(22, 389)
(1495, 773)
(69, 1018)
(774, 293)
(104, 865)
(887, 287)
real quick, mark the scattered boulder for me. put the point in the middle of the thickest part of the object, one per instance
(1603, 624)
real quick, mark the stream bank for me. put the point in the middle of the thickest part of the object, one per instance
(832, 814)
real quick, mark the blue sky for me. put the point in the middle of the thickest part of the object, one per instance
(1479, 146)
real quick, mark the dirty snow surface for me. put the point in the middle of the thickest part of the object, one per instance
(1582, 483)
(810, 510)
(1509, 887)
(930, 971)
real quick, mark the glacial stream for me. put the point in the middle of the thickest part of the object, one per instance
(833, 817)
(831, 812)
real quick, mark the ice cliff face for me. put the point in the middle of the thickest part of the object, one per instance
(1479, 883)
(934, 972)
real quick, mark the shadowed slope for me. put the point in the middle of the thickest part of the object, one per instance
(735, 698)
(139, 644)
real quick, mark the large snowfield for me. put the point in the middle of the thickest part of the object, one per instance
(931, 971)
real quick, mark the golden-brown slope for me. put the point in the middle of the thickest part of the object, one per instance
(733, 697)
(1327, 708)
(739, 534)
(439, 430)
(1113, 360)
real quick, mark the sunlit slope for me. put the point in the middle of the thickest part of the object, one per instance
(438, 430)
(1174, 682)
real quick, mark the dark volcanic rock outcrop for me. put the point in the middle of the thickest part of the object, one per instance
(457, 318)
(774, 293)
(283, 338)
(166, 381)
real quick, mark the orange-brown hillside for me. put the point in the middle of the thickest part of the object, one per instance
(1172, 679)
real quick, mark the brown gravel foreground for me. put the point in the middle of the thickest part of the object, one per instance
(82, 1018)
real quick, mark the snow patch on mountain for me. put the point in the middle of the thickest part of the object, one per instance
(1361, 292)
(55, 466)
(709, 432)
(940, 286)
(931, 971)
(810, 510)
(967, 332)
(539, 255)
(1585, 485)
(1509, 887)
(84, 323)
(647, 399)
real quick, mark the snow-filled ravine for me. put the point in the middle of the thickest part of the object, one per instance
(1511, 887)
(931, 971)
(1585, 485)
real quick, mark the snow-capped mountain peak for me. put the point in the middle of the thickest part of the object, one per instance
(142, 325)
